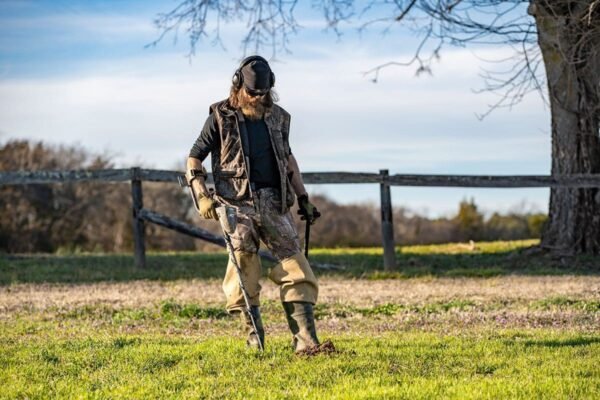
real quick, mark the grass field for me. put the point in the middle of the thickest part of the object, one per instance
(452, 322)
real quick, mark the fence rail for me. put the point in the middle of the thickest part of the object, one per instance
(478, 181)
(137, 175)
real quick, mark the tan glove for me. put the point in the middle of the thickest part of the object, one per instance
(207, 207)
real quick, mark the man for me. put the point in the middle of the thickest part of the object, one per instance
(256, 173)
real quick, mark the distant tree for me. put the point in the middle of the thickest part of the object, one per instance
(561, 35)
(412, 228)
(44, 217)
(81, 216)
(469, 221)
(507, 227)
(535, 224)
(343, 224)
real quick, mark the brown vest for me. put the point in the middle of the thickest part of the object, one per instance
(229, 164)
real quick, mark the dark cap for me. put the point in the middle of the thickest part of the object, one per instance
(257, 75)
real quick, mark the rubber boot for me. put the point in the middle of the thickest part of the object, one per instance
(301, 320)
(253, 337)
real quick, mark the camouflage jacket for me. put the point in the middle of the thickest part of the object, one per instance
(230, 164)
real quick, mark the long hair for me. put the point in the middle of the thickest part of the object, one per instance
(254, 107)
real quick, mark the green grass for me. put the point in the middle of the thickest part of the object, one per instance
(453, 344)
(503, 364)
(453, 260)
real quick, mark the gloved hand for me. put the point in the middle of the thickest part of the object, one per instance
(207, 207)
(308, 210)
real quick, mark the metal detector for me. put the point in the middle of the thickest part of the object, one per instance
(228, 221)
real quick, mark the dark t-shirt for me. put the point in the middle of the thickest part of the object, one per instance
(263, 164)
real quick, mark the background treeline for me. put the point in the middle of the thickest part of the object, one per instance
(94, 216)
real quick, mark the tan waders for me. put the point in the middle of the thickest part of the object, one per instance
(298, 292)
(250, 265)
(298, 287)
(296, 280)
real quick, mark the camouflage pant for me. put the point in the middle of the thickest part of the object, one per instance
(277, 231)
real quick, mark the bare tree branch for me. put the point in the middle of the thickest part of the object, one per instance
(269, 23)
(439, 24)
(406, 10)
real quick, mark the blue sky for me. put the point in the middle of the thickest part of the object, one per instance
(77, 72)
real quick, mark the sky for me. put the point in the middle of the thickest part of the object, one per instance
(79, 73)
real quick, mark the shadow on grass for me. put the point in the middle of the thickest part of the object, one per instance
(575, 342)
(109, 267)
(357, 263)
(482, 264)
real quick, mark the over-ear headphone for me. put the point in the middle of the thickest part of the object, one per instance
(238, 78)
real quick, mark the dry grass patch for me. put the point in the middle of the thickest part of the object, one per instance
(355, 292)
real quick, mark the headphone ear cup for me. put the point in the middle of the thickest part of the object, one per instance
(237, 79)
(272, 78)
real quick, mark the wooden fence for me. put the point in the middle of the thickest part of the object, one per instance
(141, 215)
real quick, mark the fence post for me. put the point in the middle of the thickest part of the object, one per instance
(138, 223)
(387, 226)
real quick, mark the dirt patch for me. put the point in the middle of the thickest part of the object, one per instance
(326, 348)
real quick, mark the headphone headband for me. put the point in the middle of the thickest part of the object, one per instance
(248, 60)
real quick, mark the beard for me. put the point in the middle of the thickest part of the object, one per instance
(254, 108)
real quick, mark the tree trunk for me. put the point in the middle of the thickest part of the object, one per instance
(569, 38)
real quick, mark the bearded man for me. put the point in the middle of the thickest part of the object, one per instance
(254, 171)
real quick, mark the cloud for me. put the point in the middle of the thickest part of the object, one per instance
(143, 99)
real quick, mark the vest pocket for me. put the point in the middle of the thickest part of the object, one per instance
(231, 184)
